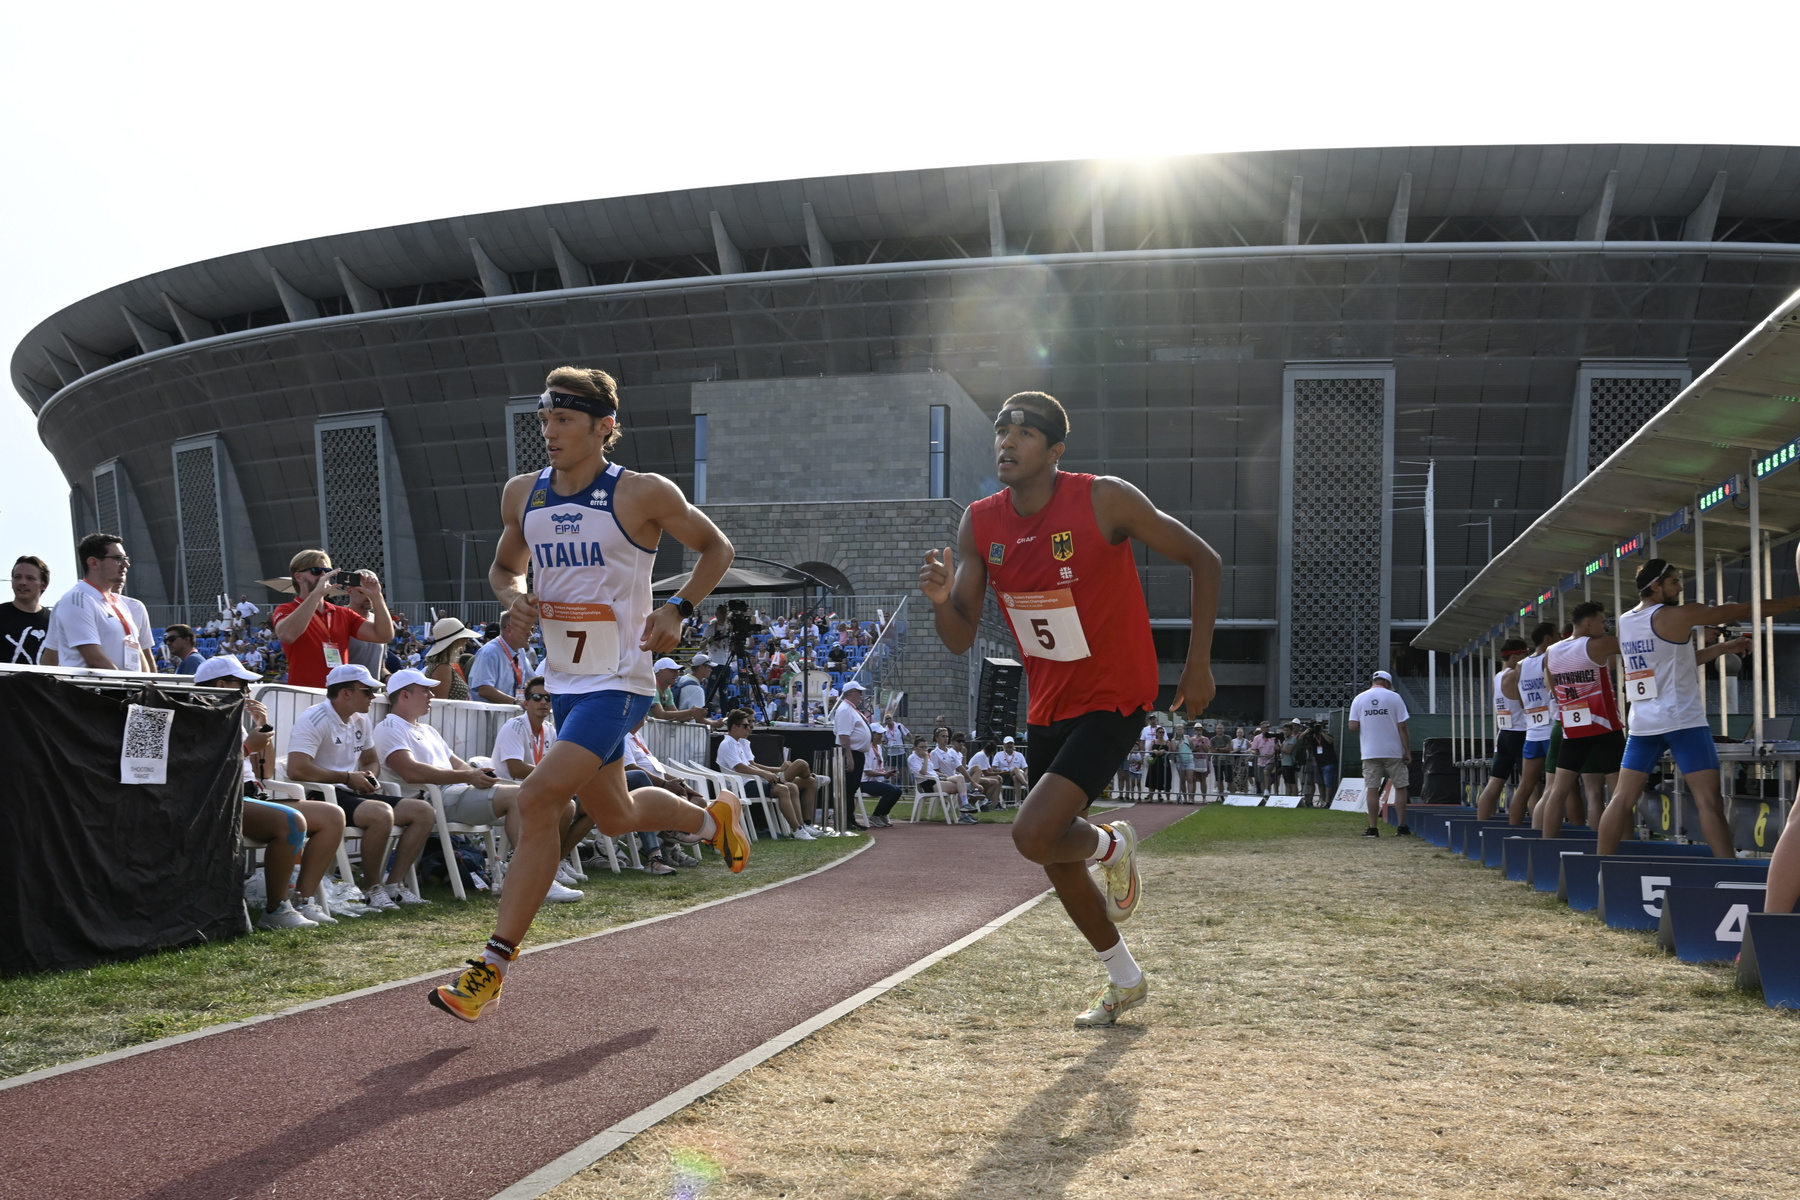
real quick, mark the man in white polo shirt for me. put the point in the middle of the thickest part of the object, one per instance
(1378, 717)
(735, 756)
(93, 625)
(856, 740)
(415, 753)
(1010, 761)
(334, 743)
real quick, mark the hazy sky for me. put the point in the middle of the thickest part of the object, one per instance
(137, 137)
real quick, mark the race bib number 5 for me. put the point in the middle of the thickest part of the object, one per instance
(580, 639)
(1047, 624)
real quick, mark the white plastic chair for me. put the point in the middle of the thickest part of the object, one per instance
(749, 790)
(282, 785)
(924, 801)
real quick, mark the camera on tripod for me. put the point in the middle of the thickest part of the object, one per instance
(743, 627)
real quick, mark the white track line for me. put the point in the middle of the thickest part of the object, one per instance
(604, 1143)
(82, 1064)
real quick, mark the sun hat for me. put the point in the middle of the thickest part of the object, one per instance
(445, 631)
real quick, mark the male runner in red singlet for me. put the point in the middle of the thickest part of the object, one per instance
(1593, 740)
(1057, 546)
(586, 530)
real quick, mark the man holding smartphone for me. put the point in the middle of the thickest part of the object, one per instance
(317, 633)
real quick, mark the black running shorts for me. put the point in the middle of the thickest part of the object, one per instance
(1509, 747)
(1597, 755)
(1087, 750)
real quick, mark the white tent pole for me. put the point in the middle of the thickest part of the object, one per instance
(1756, 607)
(1700, 576)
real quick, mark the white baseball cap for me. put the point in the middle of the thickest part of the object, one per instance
(666, 664)
(221, 665)
(350, 673)
(699, 660)
(853, 686)
(1006, 741)
(1383, 676)
(408, 677)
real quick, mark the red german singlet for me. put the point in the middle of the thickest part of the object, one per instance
(1073, 602)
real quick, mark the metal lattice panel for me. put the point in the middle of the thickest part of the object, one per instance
(528, 443)
(1618, 408)
(106, 501)
(197, 509)
(351, 463)
(1336, 597)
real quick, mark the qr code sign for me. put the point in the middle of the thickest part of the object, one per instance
(144, 756)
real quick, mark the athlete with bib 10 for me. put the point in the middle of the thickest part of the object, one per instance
(1057, 547)
(587, 531)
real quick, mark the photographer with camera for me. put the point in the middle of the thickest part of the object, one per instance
(1312, 755)
(315, 633)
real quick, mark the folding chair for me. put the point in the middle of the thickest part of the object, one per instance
(749, 790)
(924, 801)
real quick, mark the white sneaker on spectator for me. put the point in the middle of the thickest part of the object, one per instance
(565, 876)
(379, 900)
(405, 895)
(558, 894)
(312, 912)
(284, 917)
(804, 834)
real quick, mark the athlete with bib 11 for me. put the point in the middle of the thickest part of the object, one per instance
(587, 531)
(1057, 547)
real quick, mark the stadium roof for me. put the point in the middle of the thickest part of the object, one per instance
(1313, 198)
(1742, 415)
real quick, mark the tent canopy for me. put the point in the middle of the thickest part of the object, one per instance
(737, 579)
(1742, 415)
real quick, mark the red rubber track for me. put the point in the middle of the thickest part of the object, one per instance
(385, 1096)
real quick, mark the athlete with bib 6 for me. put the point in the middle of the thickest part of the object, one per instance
(1057, 547)
(586, 530)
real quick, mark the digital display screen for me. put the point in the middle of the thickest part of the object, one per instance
(1720, 494)
(1571, 581)
(1675, 522)
(1771, 463)
(1595, 567)
(1628, 548)
(1546, 598)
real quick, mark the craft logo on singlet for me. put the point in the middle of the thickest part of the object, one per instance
(996, 553)
(1062, 545)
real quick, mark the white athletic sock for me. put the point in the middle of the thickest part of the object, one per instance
(709, 828)
(1121, 968)
(1107, 846)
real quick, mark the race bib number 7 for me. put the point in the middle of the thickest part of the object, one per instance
(580, 639)
(1047, 624)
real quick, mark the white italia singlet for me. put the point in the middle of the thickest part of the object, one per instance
(1661, 677)
(1536, 698)
(592, 584)
(1509, 714)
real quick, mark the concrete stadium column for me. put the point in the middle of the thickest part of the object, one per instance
(297, 305)
(85, 359)
(1097, 219)
(117, 510)
(570, 270)
(1396, 230)
(65, 370)
(1291, 231)
(817, 248)
(1334, 557)
(191, 327)
(996, 227)
(494, 281)
(148, 336)
(215, 548)
(1704, 220)
(363, 298)
(364, 517)
(1593, 224)
(1612, 402)
(730, 261)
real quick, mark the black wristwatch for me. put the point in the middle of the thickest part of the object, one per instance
(684, 607)
(265, 729)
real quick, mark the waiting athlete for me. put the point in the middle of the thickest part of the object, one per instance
(1057, 546)
(1593, 739)
(587, 531)
(1538, 702)
(1509, 725)
(1668, 709)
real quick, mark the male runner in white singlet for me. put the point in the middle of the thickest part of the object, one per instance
(1538, 700)
(1509, 721)
(1668, 709)
(587, 531)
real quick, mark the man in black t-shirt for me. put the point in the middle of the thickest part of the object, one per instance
(24, 622)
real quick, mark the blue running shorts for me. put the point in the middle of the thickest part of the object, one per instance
(1538, 749)
(599, 721)
(1693, 750)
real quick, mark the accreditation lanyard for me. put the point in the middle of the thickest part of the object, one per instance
(537, 747)
(118, 610)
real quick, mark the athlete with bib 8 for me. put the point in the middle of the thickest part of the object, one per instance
(1057, 548)
(586, 530)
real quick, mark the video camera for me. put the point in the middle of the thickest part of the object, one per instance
(743, 627)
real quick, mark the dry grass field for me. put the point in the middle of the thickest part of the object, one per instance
(1329, 1016)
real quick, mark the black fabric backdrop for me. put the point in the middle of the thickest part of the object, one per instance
(92, 869)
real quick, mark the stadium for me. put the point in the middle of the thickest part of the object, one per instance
(1272, 345)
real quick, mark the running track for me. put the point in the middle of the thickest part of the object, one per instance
(383, 1096)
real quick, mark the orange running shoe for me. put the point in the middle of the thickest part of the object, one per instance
(477, 987)
(730, 840)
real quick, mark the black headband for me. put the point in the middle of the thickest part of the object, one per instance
(1650, 573)
(1032, 419)
(594, 406)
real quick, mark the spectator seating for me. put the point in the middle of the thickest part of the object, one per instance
(281, 785)
(927, 797)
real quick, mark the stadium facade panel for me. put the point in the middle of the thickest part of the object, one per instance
(1212, 323)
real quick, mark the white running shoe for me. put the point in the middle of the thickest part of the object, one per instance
(379, 900)
(405, 895)
(558, 894)
(804, 834)
(565, 876)
(312, 912)
(283, 916)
